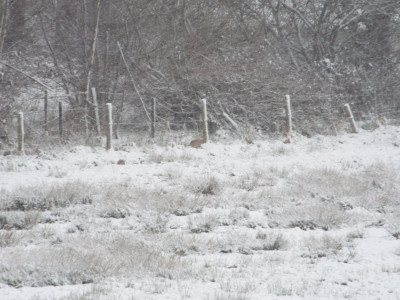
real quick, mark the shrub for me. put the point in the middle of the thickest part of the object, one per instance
(116, 213)
(19, 220)
(50, 196)
(205, 185)
(9, 238)
(270, 241)
(316, 216)
(322, 246)
(156, 223)
(203, 223)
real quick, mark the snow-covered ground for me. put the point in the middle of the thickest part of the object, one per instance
(315, 219)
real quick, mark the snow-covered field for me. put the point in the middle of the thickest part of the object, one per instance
(315, 219)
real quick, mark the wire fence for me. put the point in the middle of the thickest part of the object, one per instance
(58, 121)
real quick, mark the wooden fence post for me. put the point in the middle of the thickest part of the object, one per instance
(153, 118)
(60, 119)
(351, 118)
(21, 132)
(96, 111)
(289, 116)
(86, 120)
(46, 102)
(109, 128)
(204, 120)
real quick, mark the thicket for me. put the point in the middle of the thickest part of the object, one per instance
(244, 56)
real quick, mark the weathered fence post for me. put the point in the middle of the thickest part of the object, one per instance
(153, 118)
(86, 120)
(60, 119)
(110, 125)
(96, 111)
(204, 120)
(351, 118)
(46, 102)
(289, 116)
(21, 132)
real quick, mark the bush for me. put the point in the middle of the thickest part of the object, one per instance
(205, 185)
(19, 220)
(270, 241)
(203, 223)
(322, 247)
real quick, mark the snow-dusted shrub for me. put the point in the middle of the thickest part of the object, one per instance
(268, 241)
(280, 150)
(391, 269)
(9, 238)
(94, 291)
(172, 173)
(36, 277)
(57, 172)
(252, 180)
(315, 216)
(394, 230)
(355, 234)
(323, 182)
(159, 285)
(46, 203)
(87, 258)
(169, 155)
(237, 214)
(221, 295)
(162, 200)
(203, 223)
(155, 222)
(393, 223)
(314, 145)
(280, 172)
(238, 287)
(183, 244)
(156, 157)
(46, 231)
(305, 225)
(19, 220)
(115, 212)
(206, 185)
(46, 197)
(318, 247)
(283, 289)
(183, 206)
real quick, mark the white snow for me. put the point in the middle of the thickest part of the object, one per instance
(181, 223)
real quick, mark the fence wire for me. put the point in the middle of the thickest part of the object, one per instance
(271, 114)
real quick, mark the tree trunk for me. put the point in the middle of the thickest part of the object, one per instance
(16, 22)
(3, 23)
(91, 59)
